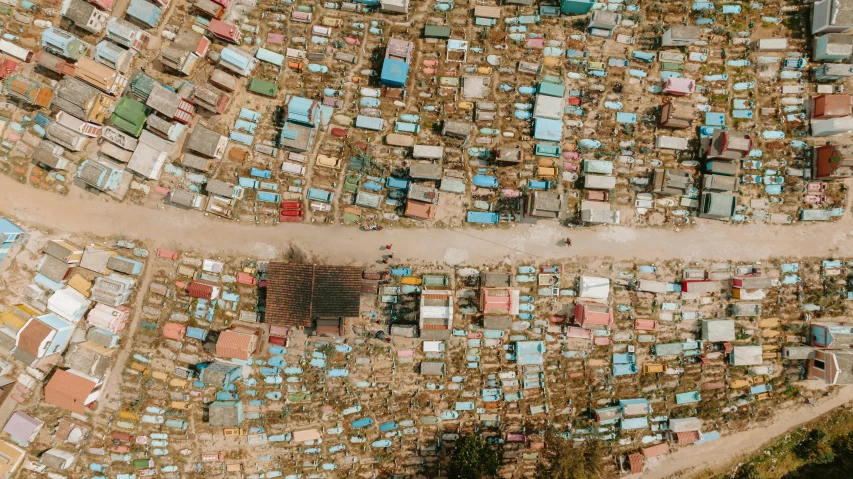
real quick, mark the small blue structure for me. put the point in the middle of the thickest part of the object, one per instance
(551, 89)
(62, 43)
(247, 126)
(318, 194)
(546, 129)
(529, 352)
(144, 12)
(394, 72)
(629, 118)
(624, 364)
(715, 118)
(406, 127)
(249, 115)
(241, 138)
(369, 123)
(397, 183)
(301, 111)
(708, 437)
(233, 57)
(48, 283)
(124, 265)
(576, 7)
(220, 373)
(268, 197)
(647, 57)
(270, 57)
(482, 217)
(635, 423)
(107, 179)
(10, 234)
(197, 333)
(688, 398)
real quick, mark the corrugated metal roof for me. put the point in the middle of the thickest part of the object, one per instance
(269, 56)
(296, 294)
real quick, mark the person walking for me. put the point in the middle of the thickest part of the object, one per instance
(388, 246)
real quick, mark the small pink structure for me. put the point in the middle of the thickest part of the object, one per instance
(679, 86)
(106, 317)
(164, 253)
(654, 451)
(646, 324)
(175, 331)
(593, 316)
(499, 300)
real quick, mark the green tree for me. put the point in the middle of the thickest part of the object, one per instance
(472, 458)
(816, 448)
(561, 460)
(843, 447)
(748, 471)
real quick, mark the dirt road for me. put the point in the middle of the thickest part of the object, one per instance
(693, 459)
(172, 227)
(114, 380)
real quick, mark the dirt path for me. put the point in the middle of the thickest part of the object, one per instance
(693, 459)
(117, 376)
(174, 228)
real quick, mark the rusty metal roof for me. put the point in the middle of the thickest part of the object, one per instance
(297, 294)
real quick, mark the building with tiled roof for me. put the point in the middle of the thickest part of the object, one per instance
(687, 438)
(203, 289)
(41, 336)
(298, 294)
(71, 391)
(636, 462)
(237, 343)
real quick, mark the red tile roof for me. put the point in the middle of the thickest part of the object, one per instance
(434, 327)
(593, 314)
(233, 344)
(657, 450)
(174, 331)
(297, 293)
(68, 391)
(687, 438)
(197, 289)
(31, 336)
(636, 461)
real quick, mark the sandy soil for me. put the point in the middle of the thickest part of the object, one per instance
(173, 228)
(112, 384)
(718, 453)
